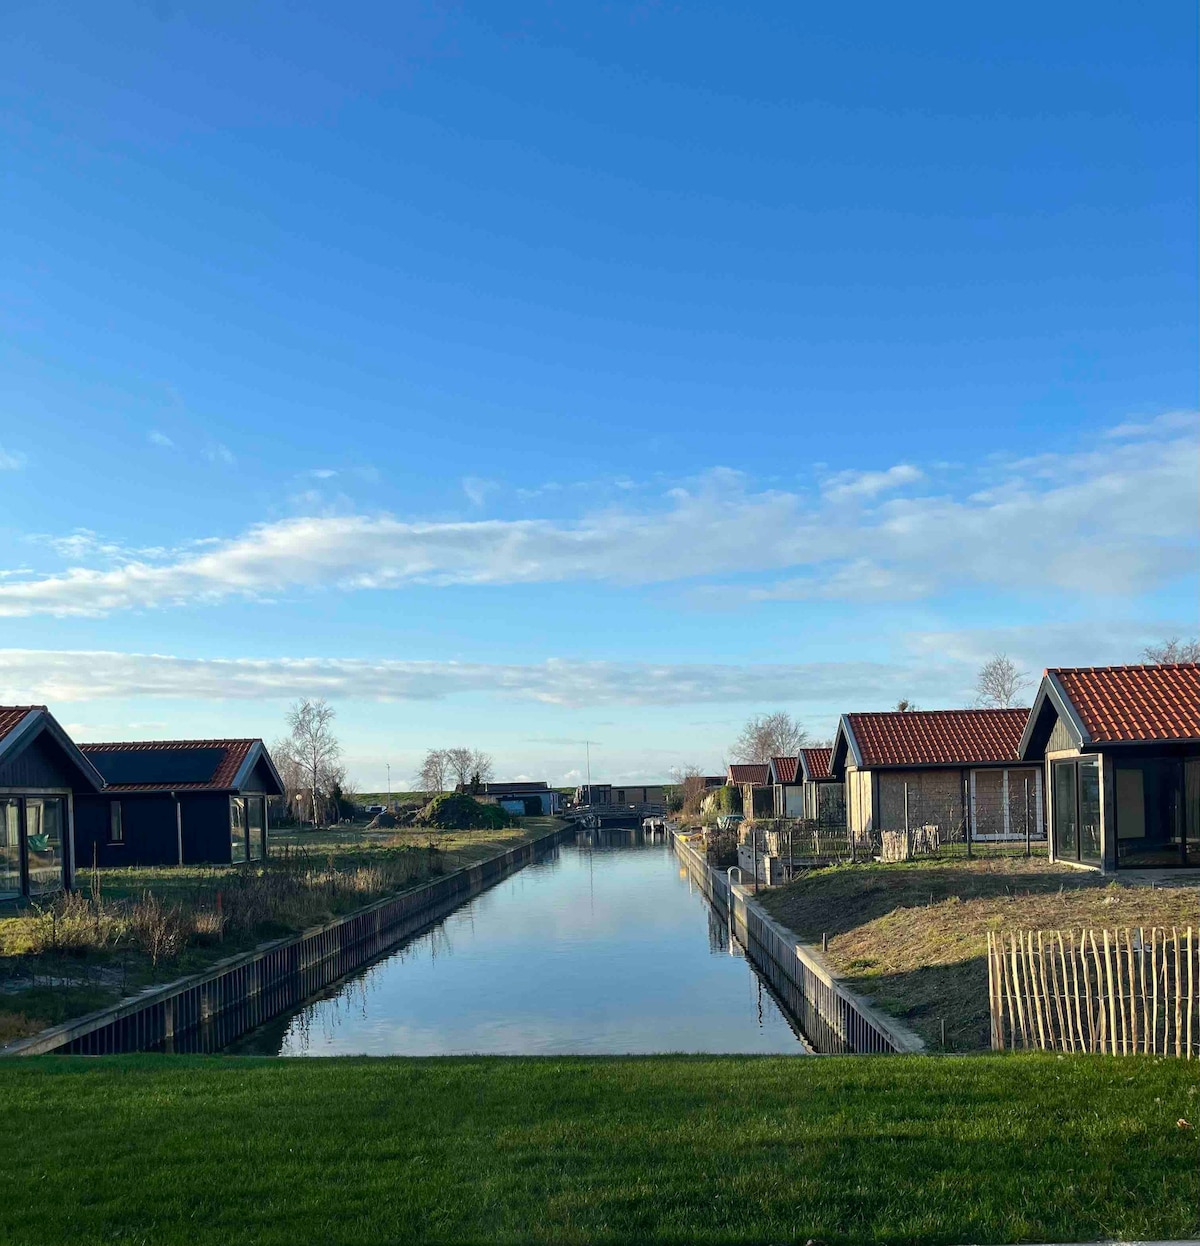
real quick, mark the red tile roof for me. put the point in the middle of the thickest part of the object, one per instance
(235, 753)
(1123, 704)
(816, 760)
(938, 737)
(786, 769)
(13, 715)
(755, 773)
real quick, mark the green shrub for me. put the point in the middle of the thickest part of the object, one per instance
(456, 811)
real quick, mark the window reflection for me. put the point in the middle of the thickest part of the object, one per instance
(254, 819)
(43, 845)
(10, 850)
(237, 830)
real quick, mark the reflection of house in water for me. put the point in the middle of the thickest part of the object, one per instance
(1121, 748)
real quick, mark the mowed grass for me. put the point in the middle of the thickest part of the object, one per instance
(913, 935)
(668, 1149)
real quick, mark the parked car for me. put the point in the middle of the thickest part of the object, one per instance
(729, 821)
(373, 809)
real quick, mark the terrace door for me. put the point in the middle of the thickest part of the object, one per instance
(44, 823)
(1076, 794)
(10, 849)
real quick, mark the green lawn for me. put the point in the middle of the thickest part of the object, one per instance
(670, 1149)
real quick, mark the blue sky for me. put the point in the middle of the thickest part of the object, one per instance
(516, 375)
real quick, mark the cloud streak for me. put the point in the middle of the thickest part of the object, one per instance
(80, 676)
(1116, 519)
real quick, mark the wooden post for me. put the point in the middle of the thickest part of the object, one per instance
(1062, 960)
(1047, 986)
(1133, 1018)
(1100, 993)
(1004, 977)
(1112, 998)
(991, 993)
(907, 832)
(1145, 1000)
(1075, 992)
(1027, 944)
(1178, 992)
(1087, 986)
(1191, 991)
(1154, 989)
(1017, 991)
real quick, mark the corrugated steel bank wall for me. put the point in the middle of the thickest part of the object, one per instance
(208, 1011)
(832, 1020)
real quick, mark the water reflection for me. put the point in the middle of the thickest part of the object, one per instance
(602, 946)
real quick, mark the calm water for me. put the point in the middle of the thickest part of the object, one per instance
(603, 946)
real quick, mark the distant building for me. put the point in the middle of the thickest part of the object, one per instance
(43, 775)
(1121, 750)
(753, 782)
(177, 802)
(824, 797)
(786, 787)
(622, 794)
(520, 796)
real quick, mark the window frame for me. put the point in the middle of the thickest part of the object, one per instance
(116, 823)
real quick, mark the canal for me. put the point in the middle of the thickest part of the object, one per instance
(601, 946)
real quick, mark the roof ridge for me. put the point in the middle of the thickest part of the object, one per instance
(158, 743)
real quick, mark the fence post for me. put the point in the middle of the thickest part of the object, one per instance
(907, 832)
(1028, 849)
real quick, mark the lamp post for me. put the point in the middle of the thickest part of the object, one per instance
(389, 781)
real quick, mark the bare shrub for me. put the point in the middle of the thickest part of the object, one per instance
(159, 929)
(73, 925)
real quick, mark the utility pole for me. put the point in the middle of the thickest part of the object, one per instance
(389, 770)
(587, 744)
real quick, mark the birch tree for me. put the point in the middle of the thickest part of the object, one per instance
(999, 683)
(314, 746)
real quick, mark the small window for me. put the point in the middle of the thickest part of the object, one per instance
(116, 828)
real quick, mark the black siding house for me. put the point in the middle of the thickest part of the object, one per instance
(43, 775)
(177, 802)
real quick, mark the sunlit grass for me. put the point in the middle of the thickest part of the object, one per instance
(672, 1149)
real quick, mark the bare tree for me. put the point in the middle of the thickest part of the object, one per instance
(1173, 650)
(283, 754)
(458, 761)
(905, 706)
(434, 769)
(769, 735)
(314, 745)
(483, 769)
(999, 683)
(689, 780)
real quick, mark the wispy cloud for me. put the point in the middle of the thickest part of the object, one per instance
(853, 485)
(218, 452)
(1118, 519)
(477, 489)
(157, 438)
(53, 675)
(12, 460)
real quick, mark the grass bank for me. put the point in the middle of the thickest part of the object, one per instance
(913, 935)
(668, 1149)
(127, 929)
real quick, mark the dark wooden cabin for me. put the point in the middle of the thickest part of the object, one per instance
(823, 796)
(177, 802)
(1121, 749)
(43, 775)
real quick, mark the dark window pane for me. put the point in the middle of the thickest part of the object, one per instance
(10, 849)
(237, 830)
(1089, 811)
(1066, 828)
(43, 844)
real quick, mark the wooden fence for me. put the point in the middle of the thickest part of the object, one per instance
(1113, 991)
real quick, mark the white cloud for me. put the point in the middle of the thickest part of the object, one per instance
(845, 486)
(477, 489)
(159, 439)
(218, 452)
(12, 460)
(55, 675)
(1117, 519)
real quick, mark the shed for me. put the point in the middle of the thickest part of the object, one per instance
(823, 796)
(177, 802)
(753, 781)
(43, 775)
(1121, 751)
(958, 770)
(786, 790)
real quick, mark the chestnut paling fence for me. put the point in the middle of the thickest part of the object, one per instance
(1119, 991)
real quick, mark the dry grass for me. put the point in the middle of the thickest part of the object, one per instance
(914, 936)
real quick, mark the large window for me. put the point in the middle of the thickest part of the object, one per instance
(1077, 810)
(10, 849)
(44, 844)
(116, 827)
(237, 830)
(1158, 812)
(254, 826)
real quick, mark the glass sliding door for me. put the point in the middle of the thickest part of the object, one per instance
(44, 844)
(10, 850)
(237, 830)
(1066, 813)
(254, 826)
(1089, 810)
